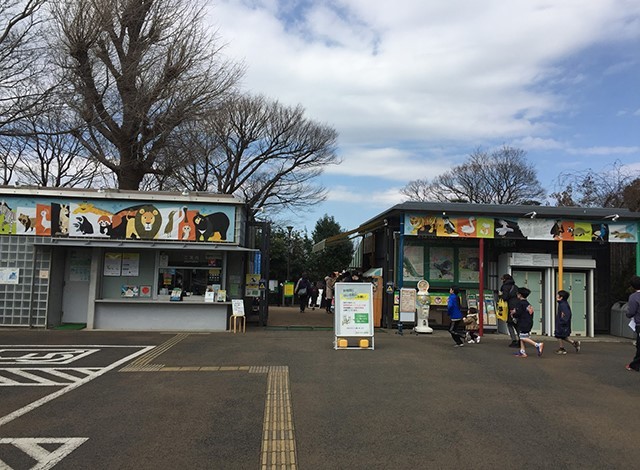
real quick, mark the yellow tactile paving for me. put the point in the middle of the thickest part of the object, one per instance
(278, 435)
(278, 450)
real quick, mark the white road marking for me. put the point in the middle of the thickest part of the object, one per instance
(43, 355)
(32, 406)
(44, 377)
(46, 459)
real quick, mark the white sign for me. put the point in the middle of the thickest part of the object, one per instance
(407, 304)
(237, 307)
(112, 264)
(130, 264)
(354, 309)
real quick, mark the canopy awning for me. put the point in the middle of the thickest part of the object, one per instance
(145, 244)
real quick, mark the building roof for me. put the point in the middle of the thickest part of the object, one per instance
(497, 210)
(121, 194)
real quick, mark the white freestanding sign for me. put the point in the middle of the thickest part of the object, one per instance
(353, 312)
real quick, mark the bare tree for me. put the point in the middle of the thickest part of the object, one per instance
(54, 157)
(500, 177)
(138, 70)
(11, 152)
(615, 187)
(264, 152)
(19, 61)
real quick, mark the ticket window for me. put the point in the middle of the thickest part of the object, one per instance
(191, 281)
(192, 271)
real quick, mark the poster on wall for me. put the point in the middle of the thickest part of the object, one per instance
(468, 265)
(413, 263)
(129, 291)
(9, 275)
(441, 267)
(130, 264)
(112, 264)
(79, 267)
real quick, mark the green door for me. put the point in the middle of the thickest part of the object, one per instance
(576, 285)
(532, 280)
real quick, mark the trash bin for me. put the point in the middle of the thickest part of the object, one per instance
(620, 322)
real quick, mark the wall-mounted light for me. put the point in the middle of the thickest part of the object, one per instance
(613, 217)
(101, 190)
(185, 192)
(531, 215)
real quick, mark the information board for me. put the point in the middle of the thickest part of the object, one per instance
(407, 304)
(354, 309)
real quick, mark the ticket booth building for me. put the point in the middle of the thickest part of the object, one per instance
(120, 260)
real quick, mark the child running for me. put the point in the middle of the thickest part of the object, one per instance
(563, 323)
(471, 325)
(524, 319)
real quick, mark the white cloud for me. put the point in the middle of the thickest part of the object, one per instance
(604, 151)
(384, 198)
(389, 163)
(430, 71)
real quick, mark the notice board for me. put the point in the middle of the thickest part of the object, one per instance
(354, 309)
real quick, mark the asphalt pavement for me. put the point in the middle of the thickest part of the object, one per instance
(285, 398)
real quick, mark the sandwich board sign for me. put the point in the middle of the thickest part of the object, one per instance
(353, 314)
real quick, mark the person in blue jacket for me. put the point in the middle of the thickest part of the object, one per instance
(455, 315)
(563, 323)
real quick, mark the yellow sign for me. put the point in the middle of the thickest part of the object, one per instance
(288, 289)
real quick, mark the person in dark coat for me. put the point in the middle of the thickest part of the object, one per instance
(563, 323)
(524, 319)
(303, 289)
(509, 293)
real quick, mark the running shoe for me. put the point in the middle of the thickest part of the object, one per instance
(520, 354)
(540, 348)
(576, 344)
(561, 351)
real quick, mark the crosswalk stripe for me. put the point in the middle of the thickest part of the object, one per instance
(44, 376)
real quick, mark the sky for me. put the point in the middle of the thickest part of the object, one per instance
(413, 87)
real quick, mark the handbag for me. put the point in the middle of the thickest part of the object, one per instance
(503, 310)
(302, 291)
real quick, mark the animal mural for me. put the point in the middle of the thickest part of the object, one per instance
(60, 219)
(212, 227)
(43, 220)
(137, 222)
(423, 225)
(507, 229)
(28, 222)
(7, 219)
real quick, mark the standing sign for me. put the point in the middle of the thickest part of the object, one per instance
(408, 299)
(353, 311)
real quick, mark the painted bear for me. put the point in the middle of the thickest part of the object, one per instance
(208, 225)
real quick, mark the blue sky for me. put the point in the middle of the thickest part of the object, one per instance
(413, 87)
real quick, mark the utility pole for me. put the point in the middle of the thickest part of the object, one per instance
(289, 229)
